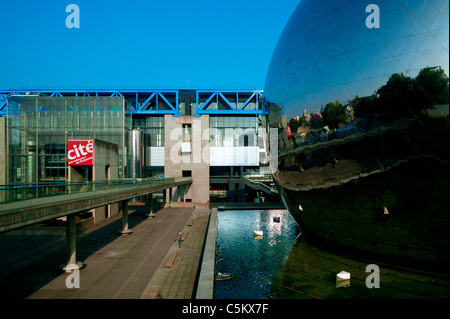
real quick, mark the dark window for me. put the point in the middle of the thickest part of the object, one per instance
(187, 173)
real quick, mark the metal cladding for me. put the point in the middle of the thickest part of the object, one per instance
(328, 51)
(359, 95)
(135, 156)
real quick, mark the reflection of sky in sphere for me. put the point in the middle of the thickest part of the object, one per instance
(326, 52)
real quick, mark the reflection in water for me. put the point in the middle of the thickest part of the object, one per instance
(255, 262)
(279, 265)
(310, 273)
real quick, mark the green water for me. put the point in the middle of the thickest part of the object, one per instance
(282, 265)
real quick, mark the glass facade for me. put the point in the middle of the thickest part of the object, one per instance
(153, 134)
(223, 133)
(39, 128)
(39, 125)
(153, 129)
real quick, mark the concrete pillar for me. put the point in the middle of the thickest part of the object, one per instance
(125, 229)
(71, 239)
(241, 191)
(181, 193)
(196, 162)
(170, 196)
(231, 191)
(149, 205)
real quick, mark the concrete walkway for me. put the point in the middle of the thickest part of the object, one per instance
(118, 266)
(177, 278)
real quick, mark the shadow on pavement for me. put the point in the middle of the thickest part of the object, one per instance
(27, 263)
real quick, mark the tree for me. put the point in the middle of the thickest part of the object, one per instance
(403, 96)
(333, 114)
(430, 87)
(395, 97)
(364, 106)
(294, 123)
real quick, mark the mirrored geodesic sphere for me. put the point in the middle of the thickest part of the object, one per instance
(358, 92)
(327, 52)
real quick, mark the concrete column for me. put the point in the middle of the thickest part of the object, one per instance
(231, 191)
(170, 196)
(149, 205)
(71, 238)
(181, 192)
(125, 229)
(241, 191)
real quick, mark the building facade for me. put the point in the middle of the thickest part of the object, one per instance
(217, 137)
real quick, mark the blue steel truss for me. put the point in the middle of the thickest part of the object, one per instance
(160, 102)
(228, 102)
(3, 99)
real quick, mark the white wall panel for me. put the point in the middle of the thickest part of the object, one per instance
(234, 156)
(156, 156)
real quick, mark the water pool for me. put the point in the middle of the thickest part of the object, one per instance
(282, 265)
(255, 262)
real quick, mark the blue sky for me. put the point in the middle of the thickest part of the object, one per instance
(132, 44)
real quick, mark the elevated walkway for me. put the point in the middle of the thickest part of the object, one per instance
(19, 213)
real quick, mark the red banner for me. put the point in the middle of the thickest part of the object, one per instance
(80, 152)
(288, 131)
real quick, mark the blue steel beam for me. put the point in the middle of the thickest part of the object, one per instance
(201, 107)
(248, 101)
(228, 112)
(167, 102)
(142, 107)
(3, 101)
(226, 101)
(213, 95)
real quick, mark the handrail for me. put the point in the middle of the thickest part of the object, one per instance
(25, 191)
(261, 184)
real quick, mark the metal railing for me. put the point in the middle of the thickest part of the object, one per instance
(262, 180)
(26, 191)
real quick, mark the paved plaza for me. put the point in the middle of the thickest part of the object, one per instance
(149, 263)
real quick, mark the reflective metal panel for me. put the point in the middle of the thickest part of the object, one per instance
(135, 154)
(327, 53)
(362, 118)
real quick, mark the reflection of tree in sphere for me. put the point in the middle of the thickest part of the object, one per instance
(362, 116)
